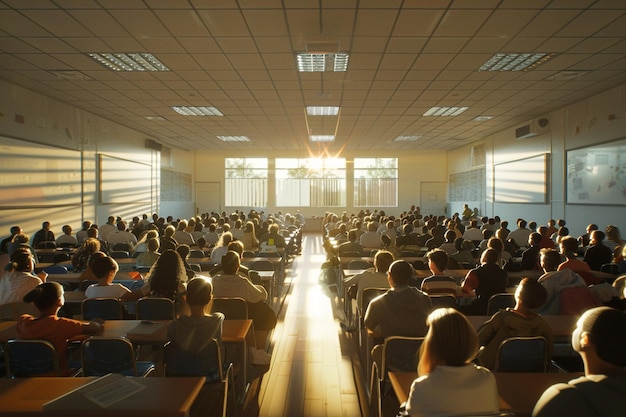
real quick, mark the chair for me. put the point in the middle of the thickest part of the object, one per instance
(400, 354)
(442, 300)
(120, 254)
(196, 253)
(121, 247)
(248, 254)
(500, 301)
(207, 362)
(366, 297)
(155, 309)
(375, 403)
(577, 300)
(26, 358)
(610, 268)
(233, 308)
(55, 269)
(104, 355)
(104, 308)
(522, 354)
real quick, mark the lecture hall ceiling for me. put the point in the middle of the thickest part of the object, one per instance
(405, 56)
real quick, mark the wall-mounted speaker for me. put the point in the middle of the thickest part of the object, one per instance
(152, 144)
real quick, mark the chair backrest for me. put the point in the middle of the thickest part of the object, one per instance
(500, 301)
(196, 253)
(400, 353)
(368, 295)
(103, 355)
(360, 264)
(233, 308)
(104, 308)
(248, 254)
(522, 354)
(120, 254)
(207, 362)
(122, 247)
(261, 266)
(55, 269)
(155, 309)
(577, 300)
(26, 358)
(442, 300)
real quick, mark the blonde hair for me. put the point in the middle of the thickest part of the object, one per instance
(451, 340)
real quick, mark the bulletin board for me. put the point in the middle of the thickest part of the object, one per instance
(175, 186)
(467, 186)
(35, 175)
(522, 181)
(122, 181)
(597, 174)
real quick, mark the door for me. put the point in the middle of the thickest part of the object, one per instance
(433, 198)
(208, 197)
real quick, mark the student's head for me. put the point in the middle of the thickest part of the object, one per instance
(67, 229)
(495, 243)
(568, 244)
(382, 260)
(591, 227)
(400, 273)
(153, 244)
(230, 262)
(199, 292)
(612, 233)
(450, 235)
(550, 259)
(602, 330)
(91, 245)
(531, 294)
(92, 232)
(22, 260)
(534, 239)
(183, 250)
(45, 296)
(489, 256)
(104, 267)
(437, 258)
(450, 341)
(92, 258)
(597, 236)
(236, 246)
(385, 241)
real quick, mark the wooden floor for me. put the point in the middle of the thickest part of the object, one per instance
(311, 373)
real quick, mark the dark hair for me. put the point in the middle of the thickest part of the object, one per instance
(199, 292)
(490, 256)
(230, 262)
(535, 238)
(103, 266)
(606, 328)
(570, 244)
(165, 275)
(532, 294)
(382, 260)
(439, 258)
(183, 250)
(44, 295)
(92, 258)
(22, 260)
(401, 272)
(550, 258)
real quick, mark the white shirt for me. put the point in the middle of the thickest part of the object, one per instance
(106, 291)
(15, 285)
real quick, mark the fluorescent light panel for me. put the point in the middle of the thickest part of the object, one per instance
(322, 138)
(320, 62)
(407, 138)
(129, 61)
(322, 110)
(482, 118)
(515, 61)
(234, 138)
(445, 111)
(197, 111)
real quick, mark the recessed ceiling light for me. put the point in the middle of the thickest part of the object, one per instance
(407, 138)
(321, 138)
(515, 61)
(445, 111)
(567, 75)
(129, 61)
(320, 62)
(482, 118)
(234, 138)
(70, 75)
(322, 110)
(158, 118)
(197, 111)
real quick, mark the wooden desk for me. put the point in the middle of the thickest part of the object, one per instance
(164, 397)
(517, 392)
(235, 333)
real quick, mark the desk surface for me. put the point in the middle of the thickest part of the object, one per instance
(164, 397)
(517, 391)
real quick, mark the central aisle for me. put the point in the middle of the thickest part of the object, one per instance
(309, 375)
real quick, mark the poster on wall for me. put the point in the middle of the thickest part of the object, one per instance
(597, 174)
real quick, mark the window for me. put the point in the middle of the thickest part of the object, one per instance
(311, 182)
(246, 182)
(375, 182)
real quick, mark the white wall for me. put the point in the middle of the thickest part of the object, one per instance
(598, 119)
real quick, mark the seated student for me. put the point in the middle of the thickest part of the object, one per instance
(438, 282)
(370, 278)
(600, 340)
(463, 255)
(230, 284)
(192, 333)
(555, 281)
(522, 320)
(569, 248)
(87, 274)
(184, 250)
(66, 239)
(104, 269)
(351, 246)
(19, 280)
(449, 383)
(243, 270)
(48, 298)
(530, 257)
(597, 254)
(448, 245)
(81, 257)
(151, 255)
(486, 280)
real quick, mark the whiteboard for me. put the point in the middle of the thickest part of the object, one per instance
(36, 175)
(597, 174)
(522, 181)
(123, 181)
